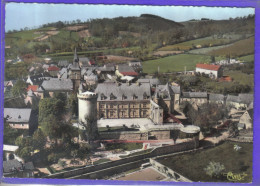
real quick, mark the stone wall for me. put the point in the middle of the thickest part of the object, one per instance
(135, 135)
(168, 172)
(161, 135)
(123, 164)
(127, 135)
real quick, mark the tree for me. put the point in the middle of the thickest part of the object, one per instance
(52, 127)
(50, 106)
(214, 169)
(19, 88)
(10, 134)
(39, 139)
(62, 163)
(73, 104)
(91, 128)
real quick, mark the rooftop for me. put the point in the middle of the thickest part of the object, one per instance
(124, 91)
(57, 84)
(208, 67)
(17, 114)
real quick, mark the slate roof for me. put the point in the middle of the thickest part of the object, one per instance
(56, 84)
(194, 95)
(231, 98)
(63, 73)
(208, 67)
(122, 91)
(241, 98)
(106, 68)
(63, 63)
(17, 115)
(216, 97)
(246, 98)
(163, 91)
(29, 166)
(12, 165)
(176, 89)
(153, 81)
(251, 113)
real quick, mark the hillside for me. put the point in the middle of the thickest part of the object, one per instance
(118, 36)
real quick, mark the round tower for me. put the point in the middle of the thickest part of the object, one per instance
(87, 102)
(87, 106)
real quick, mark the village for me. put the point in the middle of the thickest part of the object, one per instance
(130, 98)
(113, 105)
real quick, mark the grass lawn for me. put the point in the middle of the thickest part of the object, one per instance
(174, 63)
(192, 165)
(124, 146)
(242, 78)
(248, 58)
(207, 41)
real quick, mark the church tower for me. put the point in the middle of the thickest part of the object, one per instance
(75, 71)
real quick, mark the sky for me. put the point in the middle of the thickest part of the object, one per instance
(32, 15)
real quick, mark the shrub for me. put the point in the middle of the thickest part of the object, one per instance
(214, 169)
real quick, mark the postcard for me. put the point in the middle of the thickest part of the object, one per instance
(129, 93)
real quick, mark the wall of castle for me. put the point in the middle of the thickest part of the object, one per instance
(118, 164)
(123, 109)
(161, 135)
(127, 135)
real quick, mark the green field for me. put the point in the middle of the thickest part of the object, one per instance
(203, 42)
(248, 58)
(242, 78)
(192, 165)
(174, 63)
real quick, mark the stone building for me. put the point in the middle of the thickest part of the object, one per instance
(194, 98)
(21, 118)
(126, 100)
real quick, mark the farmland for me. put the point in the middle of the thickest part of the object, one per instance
(174, 63)
(202, 42)
(248, 58)
(239, 48)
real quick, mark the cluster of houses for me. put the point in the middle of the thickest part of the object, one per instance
(121, 93)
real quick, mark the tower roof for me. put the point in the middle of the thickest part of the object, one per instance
(76, 58)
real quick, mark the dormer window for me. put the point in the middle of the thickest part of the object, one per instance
(145, 95)
(134, 97)
(123, 97)
(102, 96)
(112, 96)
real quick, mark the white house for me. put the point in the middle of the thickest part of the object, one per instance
(214, 71)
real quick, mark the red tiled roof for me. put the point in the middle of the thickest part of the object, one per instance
(208, 67)
(53, 68)
(129, 73)
(32, 87)
(225, 78)
(92, 62)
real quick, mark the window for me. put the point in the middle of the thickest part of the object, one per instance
(111, 106)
